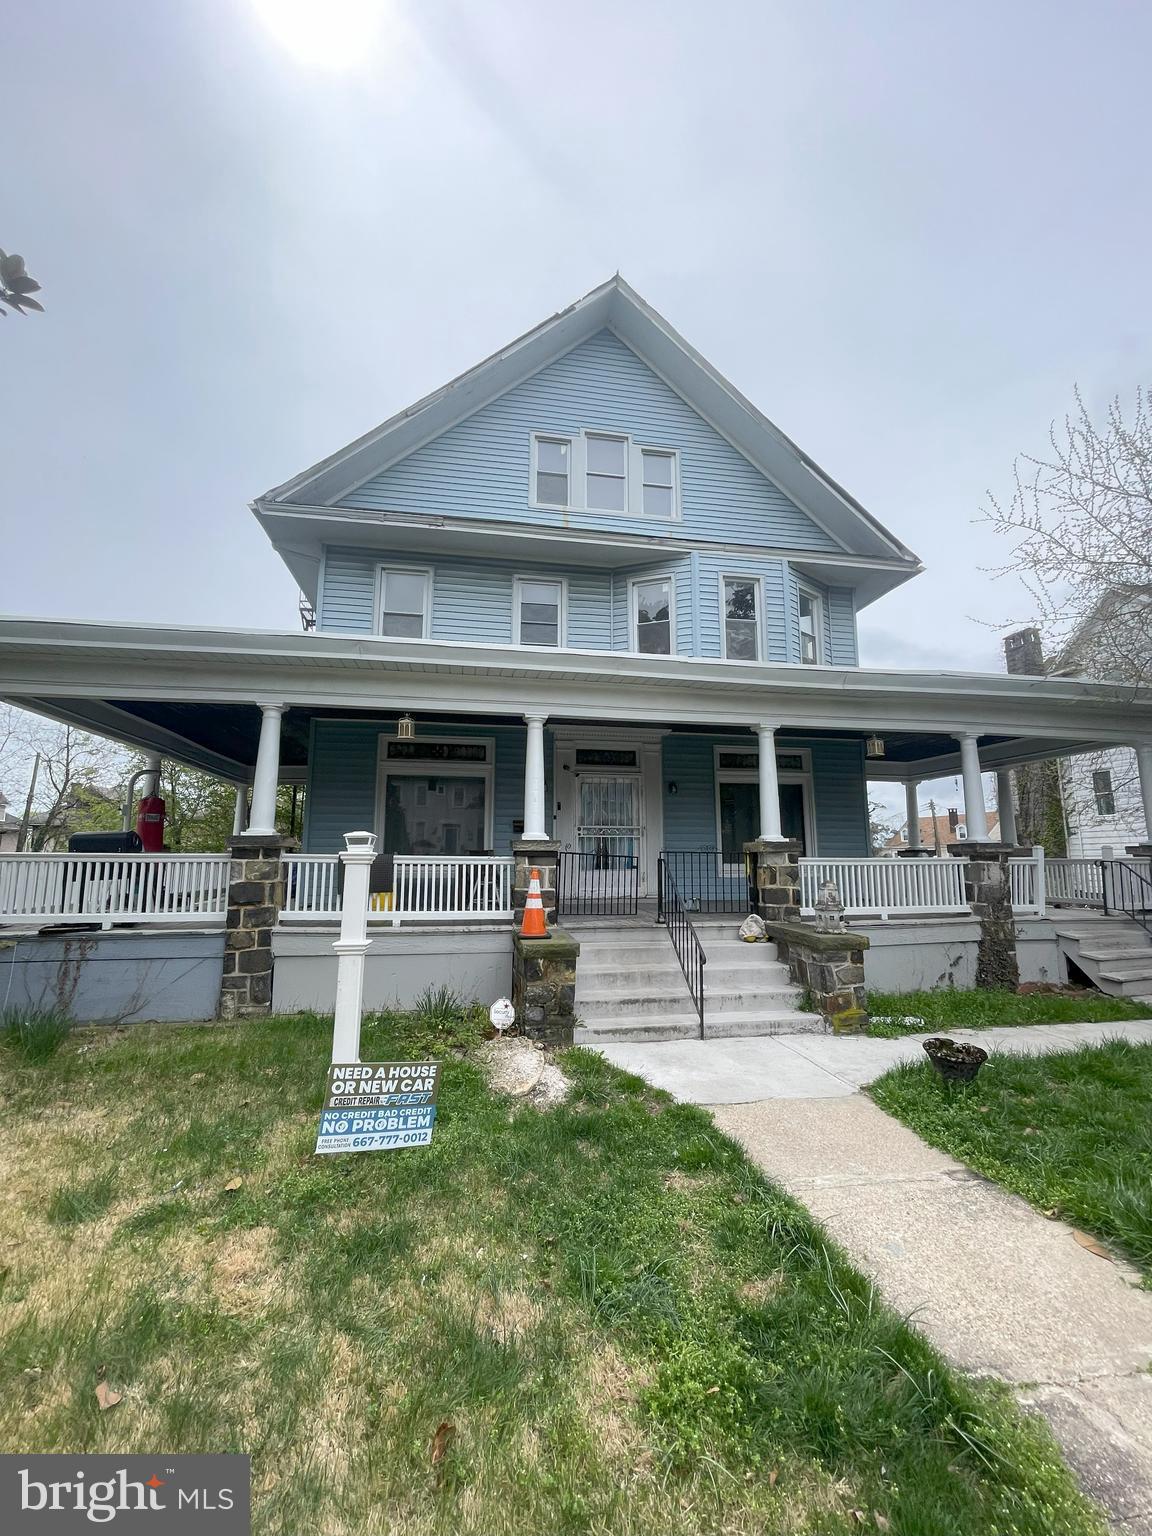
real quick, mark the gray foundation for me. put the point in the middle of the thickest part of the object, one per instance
(115, 976)
(476, 964)
(919, 955)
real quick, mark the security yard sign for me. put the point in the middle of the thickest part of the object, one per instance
(378, 1106)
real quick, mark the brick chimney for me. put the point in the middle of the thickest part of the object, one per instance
(1024, 653)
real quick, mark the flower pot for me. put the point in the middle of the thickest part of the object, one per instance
(955, 1063)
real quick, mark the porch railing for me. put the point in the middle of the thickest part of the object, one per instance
(685, 940)
(886, 887)
(1027, 879)
(449, 889)
(48, 889)
(598, 884)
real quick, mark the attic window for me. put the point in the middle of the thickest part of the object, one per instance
(553, 471)
(607, 473)
(658, 487)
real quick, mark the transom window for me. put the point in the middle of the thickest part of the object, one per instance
(607, 473)
(652, 615)
(811, 627)
(553, 470)
(539, 611)
(657, 486)
(402, 602)
(1104, 793)
(741, 618)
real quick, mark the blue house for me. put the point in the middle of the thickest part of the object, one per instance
(584, 606)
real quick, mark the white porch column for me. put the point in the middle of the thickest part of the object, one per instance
(770, 829)
(151, 784)
(975, 816)
(262, 817)
(1144, 764)
(912, 809)
(534, 826)
(240, 810)
(1006, 807)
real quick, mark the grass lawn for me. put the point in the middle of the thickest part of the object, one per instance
(954, 1009)
(599, 1319)
(1072, 1133)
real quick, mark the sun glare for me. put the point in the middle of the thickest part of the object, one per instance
(332, 34)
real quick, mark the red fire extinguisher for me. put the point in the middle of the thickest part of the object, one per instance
(150, 823)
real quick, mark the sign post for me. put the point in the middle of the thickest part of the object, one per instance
(352, 945)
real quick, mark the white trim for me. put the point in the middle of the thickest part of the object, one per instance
(386, 567)
(413, 768)
(562, 614)
(819, 617)
(633, 612)
(802, 776)
(758, 587)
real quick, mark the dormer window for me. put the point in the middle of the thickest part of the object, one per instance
(607, 473)
(553, 471)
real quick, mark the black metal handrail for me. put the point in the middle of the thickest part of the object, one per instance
(702, 883)
(1131, 891)
(597, 884)
(671, 911)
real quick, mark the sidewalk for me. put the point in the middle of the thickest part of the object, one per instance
(999, 1289)
(749, 1071)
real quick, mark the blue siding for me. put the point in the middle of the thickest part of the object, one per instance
(481, 467)
(840, 797)
(343, 773)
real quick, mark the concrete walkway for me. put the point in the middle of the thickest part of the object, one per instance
(999, 1289)
(822, 1066)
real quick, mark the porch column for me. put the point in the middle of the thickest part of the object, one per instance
(262, 817)
(912, 808)
(975, 816)
(534, 829)
(770, 830)
(1006, 807)
(151, 784)
(240, 810)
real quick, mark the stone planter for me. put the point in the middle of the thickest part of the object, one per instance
(956, 1063)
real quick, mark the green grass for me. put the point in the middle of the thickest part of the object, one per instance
(1071, 1132)
(34, 1033)
(978, 1009)
(626, 1327)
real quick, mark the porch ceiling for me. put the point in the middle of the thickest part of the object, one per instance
(194, 695)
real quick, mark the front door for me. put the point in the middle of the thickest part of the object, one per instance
(609, 833)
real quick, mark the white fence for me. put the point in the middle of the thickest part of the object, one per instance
(1027, 880)
(1091, 882)
(474, 888)
(886, 887)
(52, 888)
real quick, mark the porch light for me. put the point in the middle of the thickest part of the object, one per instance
(874, 746)
(405, 728)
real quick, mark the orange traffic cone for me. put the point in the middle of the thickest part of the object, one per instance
(533, 926)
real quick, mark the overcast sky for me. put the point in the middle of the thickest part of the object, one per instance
(905, 230)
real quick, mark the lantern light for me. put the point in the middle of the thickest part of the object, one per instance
(874, 746)
(405, 728)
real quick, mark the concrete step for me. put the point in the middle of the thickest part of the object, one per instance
(627, 1028)
(719, 1026)
(1118, 952)
(1136, 985)
(653, 971)
(613, 1001)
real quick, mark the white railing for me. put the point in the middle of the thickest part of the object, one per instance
(473, 888)
(1088, 882)
(1027, 879)
(886, 887)
(51, 888)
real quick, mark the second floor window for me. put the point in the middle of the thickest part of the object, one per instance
(1104, 793)
(741, 619)
(402, 603)
(652, 615)
(607, 474)
(811, 628)
(538, 612)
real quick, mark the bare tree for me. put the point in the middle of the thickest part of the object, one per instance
(79, 779)
(1080, 519)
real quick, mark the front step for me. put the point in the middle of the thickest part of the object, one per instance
(1114, 952)
(611, 1002)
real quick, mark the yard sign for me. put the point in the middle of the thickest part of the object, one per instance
(379, 1106)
